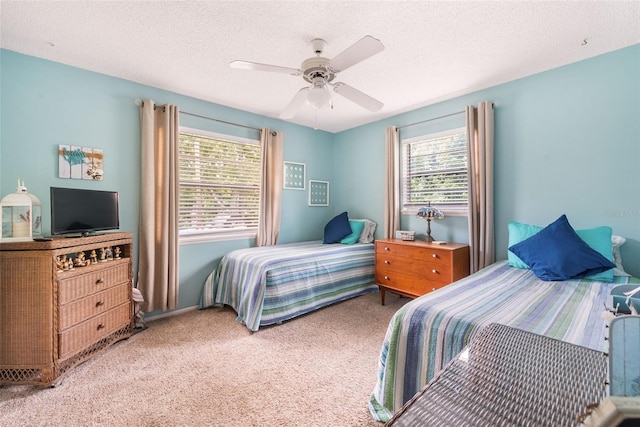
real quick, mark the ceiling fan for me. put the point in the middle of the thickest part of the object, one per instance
(320, 72)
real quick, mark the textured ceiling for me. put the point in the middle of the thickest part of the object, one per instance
(433, 50)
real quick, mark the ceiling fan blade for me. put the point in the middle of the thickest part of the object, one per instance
(246, 65)
(360, 98)
(295, 104)
(359, 51)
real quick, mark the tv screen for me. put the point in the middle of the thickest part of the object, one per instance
(83, 211)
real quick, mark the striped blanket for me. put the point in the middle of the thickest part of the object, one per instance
(269, 284)
(425, 334)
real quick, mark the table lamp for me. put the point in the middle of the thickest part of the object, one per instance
(428, 213)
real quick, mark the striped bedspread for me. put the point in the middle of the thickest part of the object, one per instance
(425, 334)
(269, 284)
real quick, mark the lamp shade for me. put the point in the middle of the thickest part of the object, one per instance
(318, 96)
(428, 213)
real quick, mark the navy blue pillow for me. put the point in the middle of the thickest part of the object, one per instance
(557, 253)
(337, 229)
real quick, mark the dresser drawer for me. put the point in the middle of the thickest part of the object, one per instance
(427, 254)
(92, 330)
(424, 272)
(425, 268)
(407, 284)
(85, 308)
(80, 286)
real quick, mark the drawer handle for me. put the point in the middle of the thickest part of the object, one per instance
(434, 255)
(386, 278)
(99, 303)
(100, 326)
(434, 271)
(100, 281)
(386, 261)
(433, 289)
(386, 248)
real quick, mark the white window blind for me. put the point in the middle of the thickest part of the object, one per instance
(219, 184)
(434, 169)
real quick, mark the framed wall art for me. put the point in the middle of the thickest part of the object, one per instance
(294, 175)
(318, 193)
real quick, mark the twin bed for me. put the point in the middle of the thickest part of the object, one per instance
(428, 332)
(268, 285)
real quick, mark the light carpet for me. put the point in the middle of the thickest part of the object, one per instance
(202, 368)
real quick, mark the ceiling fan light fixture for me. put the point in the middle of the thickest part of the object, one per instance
(318, 95)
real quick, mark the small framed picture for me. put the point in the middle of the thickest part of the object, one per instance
(318, 193)
(294, 175)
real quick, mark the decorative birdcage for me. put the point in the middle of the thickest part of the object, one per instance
(20, 215)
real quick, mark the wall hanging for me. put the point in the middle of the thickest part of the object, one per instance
(294, 175)
(318, 193)
(80, 162)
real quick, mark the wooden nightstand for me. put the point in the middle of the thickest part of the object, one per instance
(414, 268)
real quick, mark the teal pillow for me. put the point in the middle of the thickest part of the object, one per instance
(557, 253)
(356, 228)
(599, 239)
(517, 233)
(337, 229)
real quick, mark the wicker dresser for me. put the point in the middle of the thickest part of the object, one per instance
(51, 320)
(414, 268)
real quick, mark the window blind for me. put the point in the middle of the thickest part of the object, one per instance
(219, 184)
(434, 169)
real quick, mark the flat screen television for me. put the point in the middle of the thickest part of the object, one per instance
(83, 212)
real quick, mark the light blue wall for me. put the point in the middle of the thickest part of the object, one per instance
(567, 141)
(46, 104)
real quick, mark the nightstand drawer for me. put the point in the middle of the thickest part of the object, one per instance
(407, 284)
(416, 266)
(423, 273)
(426, 254)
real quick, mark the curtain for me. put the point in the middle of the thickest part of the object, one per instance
(392, 190)
(480, 154)
(270, 187)
(158, 232)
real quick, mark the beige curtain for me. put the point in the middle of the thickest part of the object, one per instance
(158, 234)
(392, 190)
(481, 230)
(270, 187)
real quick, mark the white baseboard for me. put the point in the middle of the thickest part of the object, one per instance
(170, 313)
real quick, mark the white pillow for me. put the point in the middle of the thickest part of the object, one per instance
(367, 231)
(616, 242)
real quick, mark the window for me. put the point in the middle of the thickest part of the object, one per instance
(219, 186)
(434, 169)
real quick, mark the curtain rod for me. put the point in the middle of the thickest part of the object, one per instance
(140, 102)
(429, 120)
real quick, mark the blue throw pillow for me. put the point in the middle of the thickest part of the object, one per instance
(337, 229)
(356, 230)
(557, 253)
